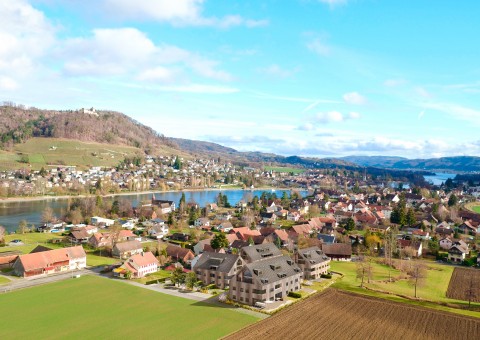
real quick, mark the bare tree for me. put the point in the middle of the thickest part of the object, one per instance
(418, 274)
(2, 234)
(364, 270)
(47, 215)
(390, 247)
(470, 292)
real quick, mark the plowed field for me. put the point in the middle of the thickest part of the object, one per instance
(340, 315)
(462, 280)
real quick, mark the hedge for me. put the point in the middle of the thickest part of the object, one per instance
(295, 295)
(326, 276)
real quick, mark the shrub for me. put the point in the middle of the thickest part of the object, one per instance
(295, 295)
(211, 286)
(326, 276)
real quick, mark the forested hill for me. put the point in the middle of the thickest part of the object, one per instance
(18, 124)
(454, 164)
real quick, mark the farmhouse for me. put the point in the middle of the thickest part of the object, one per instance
(217, 268)
(313, 262)
(50, 261)
(338, 251)
(138, 265)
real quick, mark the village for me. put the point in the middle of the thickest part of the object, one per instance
(261, 252)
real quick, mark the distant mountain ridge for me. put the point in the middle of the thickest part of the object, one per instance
(454, 164)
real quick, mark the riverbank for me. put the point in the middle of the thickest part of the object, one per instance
(129, 193)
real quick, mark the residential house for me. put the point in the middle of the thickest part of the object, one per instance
(458, 251)
(326, 238)
(469, 228)
(138, 265)
(293, 216)
(126, 249)
(313, 262)
(445, 243)
(410, 247)
(50, 261)
(99, 240)
(78, 235)
(180, 254)
(217, 268)
(158, 231)
(225, 226)
(165, 206)
(267, 279)
(96, 220)
(202, 221)
(259, 252)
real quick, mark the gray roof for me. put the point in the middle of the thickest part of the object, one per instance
(272, 269)
(261, 251)
(217, 261)
(129, 245)
(313, 254)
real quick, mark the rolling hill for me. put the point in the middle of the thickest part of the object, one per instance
(454, 164)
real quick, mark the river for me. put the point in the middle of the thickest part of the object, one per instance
(439, 178)
(11, 213)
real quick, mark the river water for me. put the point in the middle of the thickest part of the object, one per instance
(11, 213)
(439, 178)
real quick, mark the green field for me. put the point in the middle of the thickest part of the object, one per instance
(434, 288)
(31, 240)
(284, 169)
(476, 208)
(3, 280)
(42, 152)
(97, 308)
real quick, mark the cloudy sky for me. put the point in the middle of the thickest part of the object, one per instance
(304, 77)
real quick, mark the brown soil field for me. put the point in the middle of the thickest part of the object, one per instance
(460, 284)
(335, 314)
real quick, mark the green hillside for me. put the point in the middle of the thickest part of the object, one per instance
(42, 152)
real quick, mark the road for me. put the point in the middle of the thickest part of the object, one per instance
(20, 283)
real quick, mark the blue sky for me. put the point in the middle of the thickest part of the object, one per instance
(293, 77)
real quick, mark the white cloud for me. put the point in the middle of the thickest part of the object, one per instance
(199, 88)
(456, 111)
(25, 37)
(421, 114)
(319, 47)
(158, 73)
(7, 83)
(127, 51)
(354, 98)
(354, 115)
(176, 12)
(275, 70)
(422, 92)
(394, 82)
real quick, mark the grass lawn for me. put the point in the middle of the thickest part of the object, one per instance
(434, 288)
(284, 169)
(476, 208)
(3, 280)
(161, 274)
(40, 153)
(97, 308)
(31, 240)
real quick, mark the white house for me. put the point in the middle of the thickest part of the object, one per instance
(458, 251)
(158, 231)
(97, 220)
(445, 243)
(139, 265)
(202, 221)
